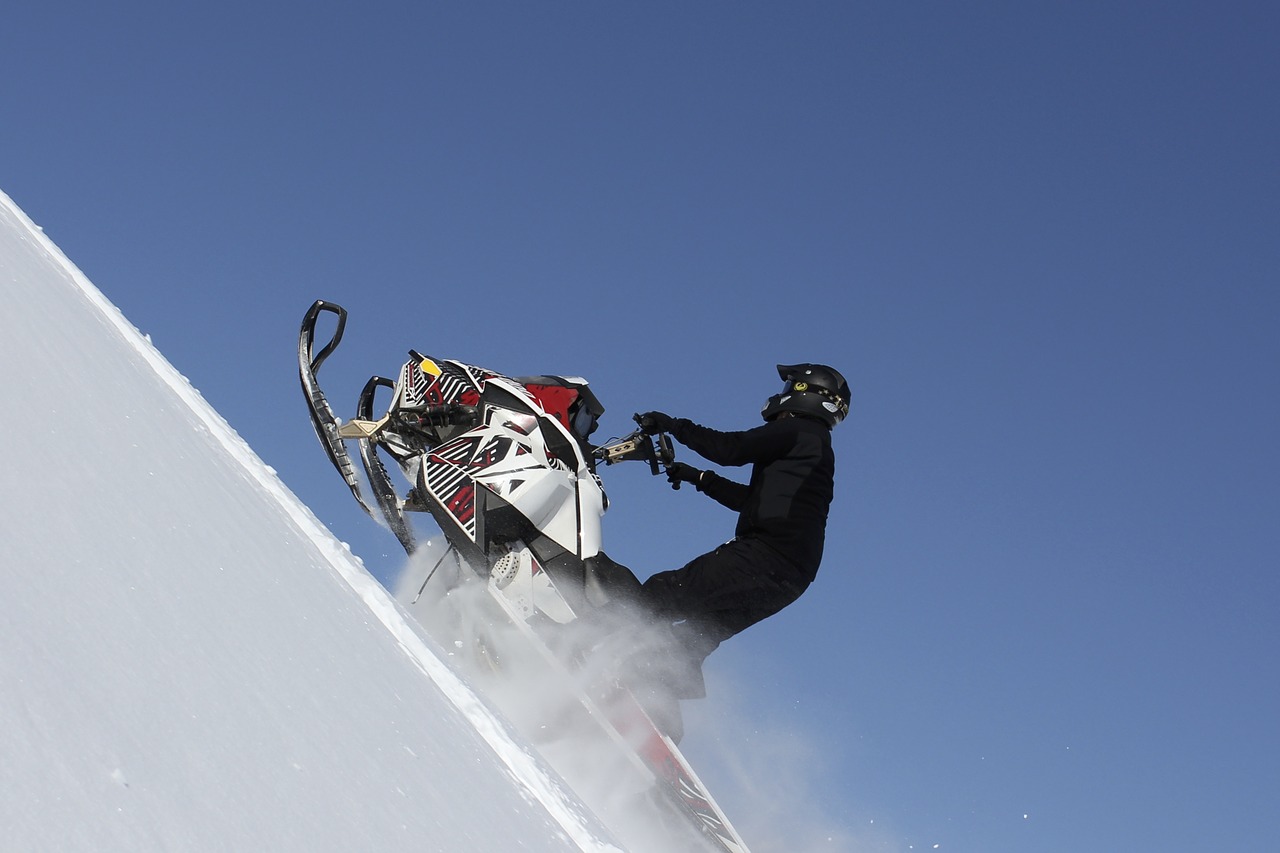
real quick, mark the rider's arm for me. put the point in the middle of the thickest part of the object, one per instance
(724, 491)
(763, 444)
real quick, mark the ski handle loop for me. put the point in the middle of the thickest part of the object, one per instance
(309, 330)
(364, 408)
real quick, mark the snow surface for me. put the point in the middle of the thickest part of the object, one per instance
(189, 660)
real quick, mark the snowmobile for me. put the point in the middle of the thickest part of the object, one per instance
(505, 467)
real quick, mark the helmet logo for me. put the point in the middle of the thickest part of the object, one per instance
(801, 386)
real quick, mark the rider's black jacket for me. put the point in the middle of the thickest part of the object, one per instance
(792, 480)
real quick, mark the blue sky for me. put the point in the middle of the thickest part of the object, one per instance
(1040, 240)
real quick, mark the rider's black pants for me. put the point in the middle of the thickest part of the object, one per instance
(723, 592)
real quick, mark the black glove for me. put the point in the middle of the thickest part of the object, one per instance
(655, 422)
(679, 472)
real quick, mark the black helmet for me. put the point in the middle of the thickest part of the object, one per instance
(814, 390)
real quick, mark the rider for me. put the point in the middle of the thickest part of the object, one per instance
(782, 519)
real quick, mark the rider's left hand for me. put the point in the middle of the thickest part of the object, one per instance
(655, 422)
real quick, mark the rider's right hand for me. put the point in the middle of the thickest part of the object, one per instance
(679, 472)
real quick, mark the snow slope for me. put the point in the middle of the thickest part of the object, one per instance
(188, 660)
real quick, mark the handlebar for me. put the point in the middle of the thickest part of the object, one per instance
(657, 450)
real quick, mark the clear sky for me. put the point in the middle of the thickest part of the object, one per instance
(1040, 239)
